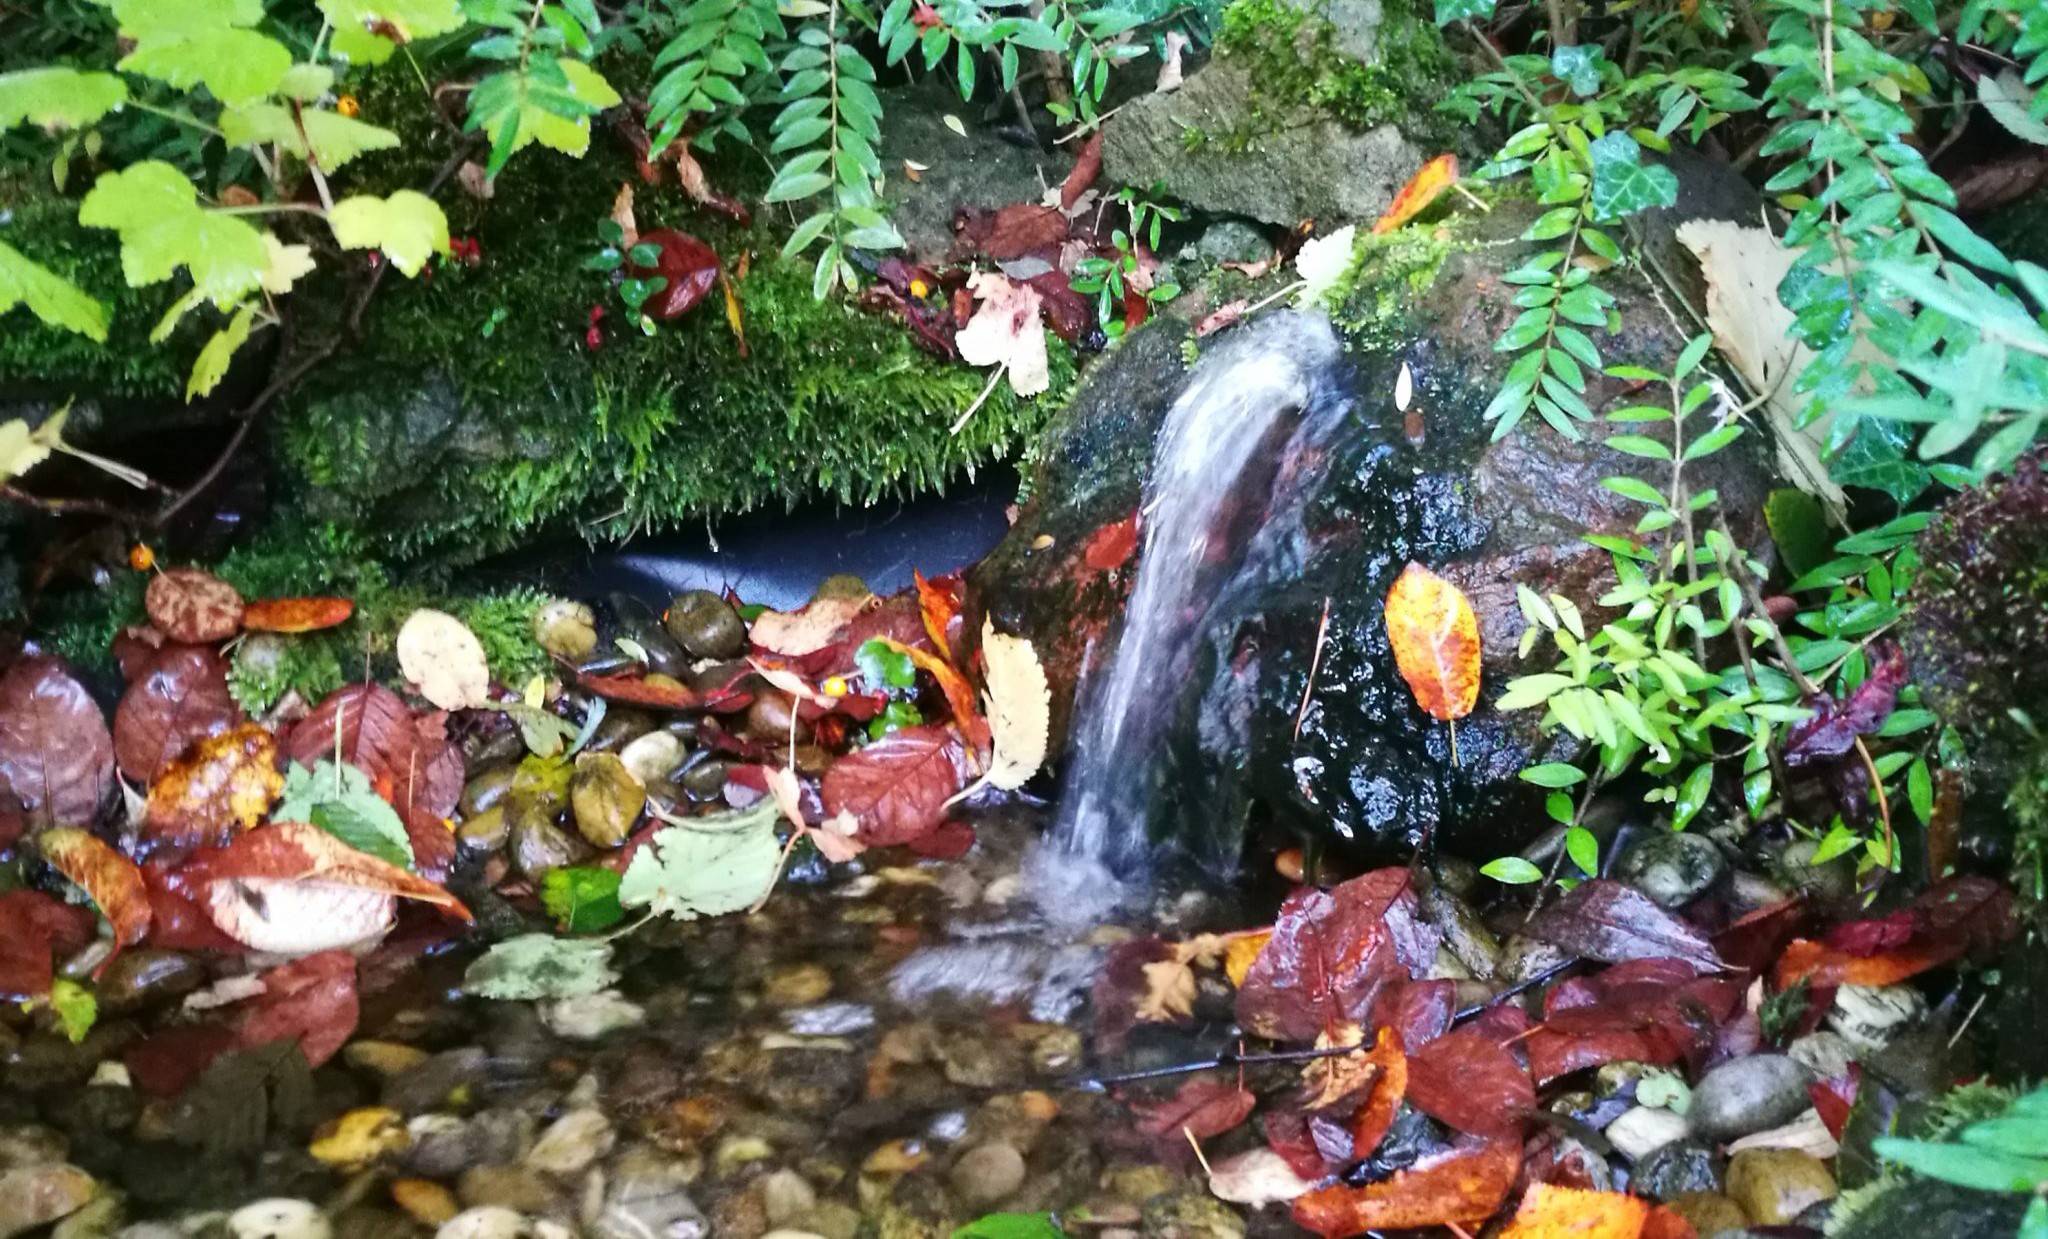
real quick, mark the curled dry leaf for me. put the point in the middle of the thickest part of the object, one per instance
(56, 755)
(1435, 636)
(112, 880)
(815, 626)
(439, 654)
(193, 606)
(181, 696)
(296, 614)
(224, 785)
(1019, 706)
(1087, 166)
(1425, 187)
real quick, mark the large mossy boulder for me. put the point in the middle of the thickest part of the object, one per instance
(1344, 753)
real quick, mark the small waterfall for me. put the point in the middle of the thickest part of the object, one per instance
(1222, 515)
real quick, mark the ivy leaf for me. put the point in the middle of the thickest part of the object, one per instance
(49, 296)
(408, 226)
(57, 98)
(214, 359)
(582, 898)
(336, 139)
(370, 30)
(1578, 67)
(705, 866)
(162, 228)
(1623, 184)
(535, 966)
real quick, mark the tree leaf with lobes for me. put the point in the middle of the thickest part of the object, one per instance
(408, 226)
(536, 966)
(56, 755)
(181, 696)
(706, 866)
(112, 880)
(1609, 921)
(1435, 636)
(1008, 331)
(896, 788)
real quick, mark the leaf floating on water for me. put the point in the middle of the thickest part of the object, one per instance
(1404, 388)
(439, 654)
(1435, 636)
(34, 927)
(583, 899)
(112, 880)
(706, 866)
(1257, 1178)
(56, 755)
(536, 966)
(1425, 187)
(1612, 922)
(193, 606)
(1019, 707)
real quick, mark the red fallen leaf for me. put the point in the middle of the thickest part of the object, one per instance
(1382, 1104)
(1330, 954)
(193, 606)
(1418, 1011)
(178, 924)
(1071, 315)
(1010, 232)
(226, 784)
(1653, 1011)
(55, 753)
(166, 1062)
(313, 999)
(1464, 1186)
(1087, 166)
(896, 788)
(181, 696)
(1835, 724)
(1957, 917)
(939, 601)
(1553, 1054)
(135, 647)
(296, 614)
(1120, 985)
(636, 691)
(298, 852)
(951, 841)
(33, 928)
(1872, 936)
(690, 267)
(380, 736)
(1202, 1108)
(1137, 307)
(1287, 1133)
(1471, 1083)
(432, 840)
(112, 880)
(1754, 941)
(1834, 1098)
(1612, 922)
(1112, 546)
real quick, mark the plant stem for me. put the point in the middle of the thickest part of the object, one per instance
(183, 118)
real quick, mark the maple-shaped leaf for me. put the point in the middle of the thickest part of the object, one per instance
(1471, 1083)
(56, 98)
(1435, 636)
(225, 784)
(335, 138)
(156, 211)
(56, 755)
(1425, 187)
(896, 788)
(1169, 995)
(296, 614)
(58, 302)
(111, 879)
(1614, 922)
(1008, 332)
(181, 697)
(408, 226)
(1464, 1185)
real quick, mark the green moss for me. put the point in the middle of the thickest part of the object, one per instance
(1393, 271)
(504, 624)
(1292, 54)
(79, 626)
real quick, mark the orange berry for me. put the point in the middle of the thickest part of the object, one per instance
(347, 106)
(141, 558)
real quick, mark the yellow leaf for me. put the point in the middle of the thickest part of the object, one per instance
(1422, 189)
(1550, 1212)
(1237, 960)
(287, 263)
(1169, 992)
(443, 657)
(1018, 703)
(360, 1137)
(1436, 642)
(212, 364)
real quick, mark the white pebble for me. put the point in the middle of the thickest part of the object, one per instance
(279, 1219)
(1643, 1130)
(483, 1222)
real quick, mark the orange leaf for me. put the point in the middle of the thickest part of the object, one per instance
(295, 614)
(112, 880)
(224, 785)
(1369, 1126)
(1465, 1186)
(1436, 642)
(959, 696)
(1551, 1212)
(939, 600)
(1243, 949)
(1422, 189)
(1824, 967)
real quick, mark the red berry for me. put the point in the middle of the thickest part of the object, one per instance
(596, 315)
(594, 338)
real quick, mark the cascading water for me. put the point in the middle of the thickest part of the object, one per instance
(1221, 518)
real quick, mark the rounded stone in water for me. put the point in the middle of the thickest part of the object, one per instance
(705, 625)
(565, 628)
(279, 1219)
(1671, 868)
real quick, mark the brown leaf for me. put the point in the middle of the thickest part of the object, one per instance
(1202, 1108)
(1952, 919)
(112, 880)
(1382, 1105)
(295, 852)
(371, 729)
(1612, 922)
(1011, 232)
(1087, 166)
(135, 647)
(180, 697)
(56, 756)
(690, 267)
(1222, 316)
(1435, 636)
(815, 626)
(1169, 995)
(296, 614)
(637, 690)
(33, 927)
(224, 785)
(193, 606)
(939, 600)
(1464, 1186)
(1330, 1080)
(312, 999)
(1470, 1082)
(897, 787)
(1331, 953)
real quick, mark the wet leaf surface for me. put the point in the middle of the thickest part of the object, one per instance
(896, 788)
(224, 785)
(193, 606)
(1330, 955)
(112, 880)
(1611, 922)
(1470, 1082)
(1426, 186)
(1951, 920)
(293, 615)
(56, 755)
(1464, 1186)
(1836, 723)
(34, 929)
(179, 697)
(1435, 635)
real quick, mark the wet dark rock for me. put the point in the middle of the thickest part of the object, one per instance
(987, 1175)
(539, 845)
(1710, 1213)
(49, 1060)
(705, 625)
(705, 779)
(638, 624)
(916, 1207)
(1672, 868)
(571, 1143)
(1747, 1095)
(620, 726)
(606, 799)
(97, 1110)
(145, 977)
(769, 718)
(1368, 768)
(444, 1146)
(1928, 1208)
(1677, 1168)
(435, 1083)
(487, 788)
(982, 1062)
(1190, 1214)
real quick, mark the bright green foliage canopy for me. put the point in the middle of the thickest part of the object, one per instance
(163, 227)
(58, 98)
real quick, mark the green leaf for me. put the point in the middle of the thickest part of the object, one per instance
(536, 966)
(1639, 445)
(237, 66)
(1799, 527)
(49, 296)
(336, 138)
(213, 361)
(1529, 691)
(1584, 849)
(408, 226)
(582, 898)
(1692, 795)
(884, 666)
(1920, 793)
(1578, 66)
(1554, 774)
(75, 1007)
(306, 83)
(1634, 488)
(1448, 11)
(1839, 841)
(1965, 1166)
(359, 25)
(340, 799)
(707, 866)
(1511, 870)
(1623, 184)
(58, 98)
(1011, 1226)
(156, 212)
